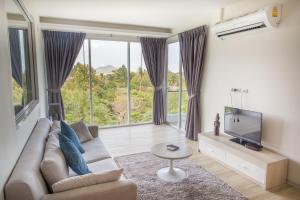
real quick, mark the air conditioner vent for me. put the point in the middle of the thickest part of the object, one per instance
(242, 29)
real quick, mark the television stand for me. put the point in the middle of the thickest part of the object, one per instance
(248, 145)
(265, 167)
(239, 141)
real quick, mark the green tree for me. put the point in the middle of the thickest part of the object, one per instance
(109, 96)
(75, 94)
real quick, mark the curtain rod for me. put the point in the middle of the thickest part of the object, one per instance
(113, 35)
(106, 34)
(91, 27)
(176, 34)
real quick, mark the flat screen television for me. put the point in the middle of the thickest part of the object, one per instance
(244, 125)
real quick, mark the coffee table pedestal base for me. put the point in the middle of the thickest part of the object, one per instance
(171, 174)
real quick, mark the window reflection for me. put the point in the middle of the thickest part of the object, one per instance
(24, 88)
(20, 64)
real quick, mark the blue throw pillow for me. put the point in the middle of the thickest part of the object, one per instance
(73, 156)
(68, 132)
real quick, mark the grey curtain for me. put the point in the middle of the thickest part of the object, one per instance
(15, 54)
(154, 50)
(192, 50)
(61, 50)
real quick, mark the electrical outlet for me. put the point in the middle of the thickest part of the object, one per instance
(245, 91)
(236, 90)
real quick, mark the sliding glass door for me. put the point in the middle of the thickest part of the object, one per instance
(176, 88)
(184, 101)
(109, 82)
(173, 84)
(109, 85)
(75, 91)
(141, 90)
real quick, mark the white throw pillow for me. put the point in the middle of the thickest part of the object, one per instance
(82, 131)
(87, 180)
(53, 165)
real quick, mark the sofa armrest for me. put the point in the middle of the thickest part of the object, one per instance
(122, 189)
(94, 130)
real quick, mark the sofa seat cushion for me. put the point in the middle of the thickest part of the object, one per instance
(103, 165)
(94, 150)
(53, 165)
(99, 166)
(87, 180)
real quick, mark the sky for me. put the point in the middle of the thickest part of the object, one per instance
(115, 53)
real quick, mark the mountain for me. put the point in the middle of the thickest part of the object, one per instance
(107, 69)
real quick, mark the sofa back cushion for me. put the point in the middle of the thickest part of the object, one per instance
(26, 181)
(53, 165)
(82, 131)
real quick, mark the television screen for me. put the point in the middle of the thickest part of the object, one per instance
(243, 124)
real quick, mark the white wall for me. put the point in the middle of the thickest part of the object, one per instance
(266, 63)
(12, 138)
(39, 57)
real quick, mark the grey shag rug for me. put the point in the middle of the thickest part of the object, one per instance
(200, 184)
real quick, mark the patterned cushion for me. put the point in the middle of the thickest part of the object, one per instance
(68, 132)
(73, 156)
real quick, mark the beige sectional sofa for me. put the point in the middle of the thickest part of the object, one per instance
(27, 183)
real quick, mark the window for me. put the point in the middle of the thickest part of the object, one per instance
(184, 101)
(141, 90)
(109, 82)
(75, 91)
(173, 84)
(177, 98)
(111, 87)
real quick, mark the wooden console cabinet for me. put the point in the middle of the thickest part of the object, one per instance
(265, 167)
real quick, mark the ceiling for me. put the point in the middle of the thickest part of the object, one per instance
(11, 7)
(175, 14)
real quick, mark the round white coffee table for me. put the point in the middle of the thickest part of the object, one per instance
(170, 173)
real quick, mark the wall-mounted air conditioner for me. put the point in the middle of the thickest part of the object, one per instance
(266, 18)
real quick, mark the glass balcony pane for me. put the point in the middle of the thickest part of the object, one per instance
(141, 89)
(184, 102)
(109, 82)
(75, 91)
(173, 84)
